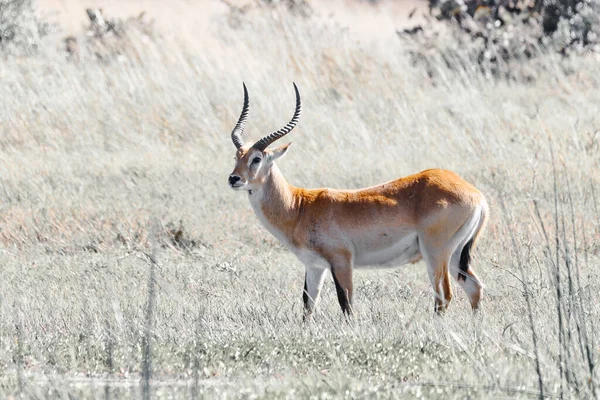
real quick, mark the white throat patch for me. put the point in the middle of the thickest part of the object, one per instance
(256, 198)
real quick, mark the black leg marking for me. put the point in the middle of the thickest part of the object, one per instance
(465, 260)
(342, 295)
(305, 297)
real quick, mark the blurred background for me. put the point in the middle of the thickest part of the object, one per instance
(129, 268)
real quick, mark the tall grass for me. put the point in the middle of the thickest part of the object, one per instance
(92, 152)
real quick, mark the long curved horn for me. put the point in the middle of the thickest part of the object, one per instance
(236, 134)
(267, 140)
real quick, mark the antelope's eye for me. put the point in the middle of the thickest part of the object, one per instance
(256, 160)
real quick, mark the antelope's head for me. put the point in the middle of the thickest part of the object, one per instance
(253, 162)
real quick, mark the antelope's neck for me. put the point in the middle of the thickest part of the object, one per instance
(275, 204)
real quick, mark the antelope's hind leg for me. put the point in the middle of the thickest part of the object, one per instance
(313, 282)
(461, 270)
(460, 263)
(439, 275)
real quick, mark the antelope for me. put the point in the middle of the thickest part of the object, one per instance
(434, 215)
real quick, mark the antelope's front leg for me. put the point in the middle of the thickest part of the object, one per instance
(341, 269)
(313, 281)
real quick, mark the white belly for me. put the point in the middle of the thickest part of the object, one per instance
(387, 250)
(309, 257)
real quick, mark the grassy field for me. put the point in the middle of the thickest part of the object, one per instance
(108, 165)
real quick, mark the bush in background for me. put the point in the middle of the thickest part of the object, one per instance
(104, 38)
(21, 30)
(107, 39)
(497, 36)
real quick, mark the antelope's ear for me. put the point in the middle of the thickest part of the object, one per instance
(278, 152)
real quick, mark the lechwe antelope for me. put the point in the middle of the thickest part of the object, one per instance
(434, 215)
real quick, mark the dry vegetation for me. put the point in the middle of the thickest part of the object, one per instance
(107, 165)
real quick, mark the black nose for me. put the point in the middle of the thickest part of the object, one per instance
(233, 179)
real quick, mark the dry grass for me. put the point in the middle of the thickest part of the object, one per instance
(99, 160)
